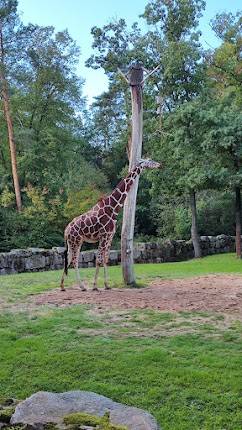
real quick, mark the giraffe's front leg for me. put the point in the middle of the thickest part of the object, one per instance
(106, 286)
(105, 262)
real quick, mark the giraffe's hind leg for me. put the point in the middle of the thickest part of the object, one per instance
(102, 259)
(75, 261)
(62, 281)
(95, 288)
(68, 260)
(72, 257)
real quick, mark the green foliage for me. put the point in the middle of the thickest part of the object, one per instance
(215, 211)
(182, 222)
(175, 19)
(216, 214)
(7, 198)
(226, 61)
(81, 201)
(68, 155)
(55, 159)
(223, 135)
(184, 153)
(40, 223)
(82, 173)
(145, 222)
(22, 231)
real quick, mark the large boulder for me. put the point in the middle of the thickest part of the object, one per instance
(44, 407)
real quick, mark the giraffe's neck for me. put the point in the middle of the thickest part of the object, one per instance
(117, 197)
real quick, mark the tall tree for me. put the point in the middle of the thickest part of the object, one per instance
(222, 122)
(226, 71)
(49, 106)
(191, 167)
(10, 29)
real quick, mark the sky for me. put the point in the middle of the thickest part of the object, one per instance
(79, 16)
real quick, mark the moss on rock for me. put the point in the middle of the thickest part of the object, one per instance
(6, 413)
(79, 418)
(14, 427)
(4, 401)
(50, 426)
(75, 421)
(47, 426)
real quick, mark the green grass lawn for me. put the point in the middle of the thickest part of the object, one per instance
(190, 380)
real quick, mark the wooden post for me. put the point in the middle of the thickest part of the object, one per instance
(135, 79)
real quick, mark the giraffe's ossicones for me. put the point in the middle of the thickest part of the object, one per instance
(99, 225)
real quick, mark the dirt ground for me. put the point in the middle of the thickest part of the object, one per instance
(219, 293)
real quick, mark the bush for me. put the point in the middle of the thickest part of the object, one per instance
(18, 230)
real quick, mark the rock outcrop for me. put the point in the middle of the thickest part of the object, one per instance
(45, 407)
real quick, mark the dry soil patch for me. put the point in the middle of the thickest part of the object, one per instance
(219, 293)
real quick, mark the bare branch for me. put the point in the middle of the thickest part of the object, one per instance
(151, 73)
(123, 75)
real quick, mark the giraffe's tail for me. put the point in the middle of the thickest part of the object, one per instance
(66, 259)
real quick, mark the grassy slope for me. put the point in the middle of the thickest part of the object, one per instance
(189, 381)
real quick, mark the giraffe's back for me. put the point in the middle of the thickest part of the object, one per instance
(92, 225)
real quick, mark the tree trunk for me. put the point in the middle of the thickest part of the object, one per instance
(136, 77)
(12, 147)
(7, 114)
(194, 228)
(238, 221)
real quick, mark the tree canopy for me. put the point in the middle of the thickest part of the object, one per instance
(68, 154)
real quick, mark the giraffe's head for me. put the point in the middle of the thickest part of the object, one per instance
(147, 163)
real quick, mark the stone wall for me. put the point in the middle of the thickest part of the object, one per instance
(36, 259)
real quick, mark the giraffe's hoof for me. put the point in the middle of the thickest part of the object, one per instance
(107, 287)
(95, 289)
(83, 289)
(63, 289)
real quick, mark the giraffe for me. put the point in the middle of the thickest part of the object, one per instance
(99, 225)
